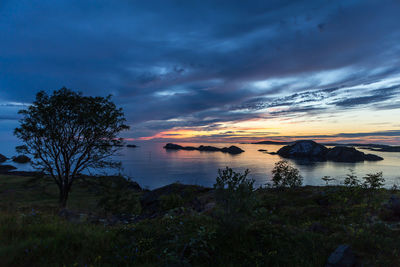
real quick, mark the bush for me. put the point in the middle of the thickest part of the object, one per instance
(351, 179)
(374, 180)
(235, 196)
(171, 201)
(284, 175)
(118, 196)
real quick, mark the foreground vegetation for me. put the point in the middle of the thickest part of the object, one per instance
(231, 225)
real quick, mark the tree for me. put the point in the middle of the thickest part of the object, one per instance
(374, 180)
(67, 133)
(284, 175)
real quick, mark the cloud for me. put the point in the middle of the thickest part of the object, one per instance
(199, 64)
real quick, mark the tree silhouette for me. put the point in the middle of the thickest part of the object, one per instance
(67, 133)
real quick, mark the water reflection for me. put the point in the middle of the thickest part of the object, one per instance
(152, 166)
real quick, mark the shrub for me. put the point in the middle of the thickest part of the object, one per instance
(171, 201)
(235, 196)
(351, 179)
(118, 196)
(284, 175)
(374, 180)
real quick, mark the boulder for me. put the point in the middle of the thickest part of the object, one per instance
(6, 168)
(343, 256)
(3, 158)
(304, 149)
(21, 159)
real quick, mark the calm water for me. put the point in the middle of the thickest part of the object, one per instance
(152, 166)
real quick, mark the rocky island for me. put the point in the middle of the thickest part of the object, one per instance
(311, 150)
(230, 150)
(3, 158)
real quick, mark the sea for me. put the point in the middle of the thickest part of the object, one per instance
(152, 166)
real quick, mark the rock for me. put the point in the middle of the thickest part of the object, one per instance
(345, 154)
(349, 154)
(178, 147)
(262, 150)
(6, 168)
(133, 146)
(230, 150)
(343, 256)
(372, 157)
(3, 158)
(208, 148)
(304, 149)
(313, 151)
(21, 159)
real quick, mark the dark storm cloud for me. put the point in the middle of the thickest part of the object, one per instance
(186, 63)
(376, 96)
(389, 133)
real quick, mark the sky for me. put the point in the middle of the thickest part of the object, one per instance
(212, 70)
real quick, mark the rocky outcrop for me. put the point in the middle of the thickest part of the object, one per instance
(21, 159)
(3, 158)
(230, 150)
(304, 149)
(317, 152)
(189, 195)
(178, 147)
(349, 154)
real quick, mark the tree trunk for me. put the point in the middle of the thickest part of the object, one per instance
(63, 197)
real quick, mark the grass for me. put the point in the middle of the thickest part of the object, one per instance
(288, 227)
(25, 193)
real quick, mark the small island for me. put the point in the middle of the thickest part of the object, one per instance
(230, 150)
(313, 151)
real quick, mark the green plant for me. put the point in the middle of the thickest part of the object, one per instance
(118, 196)
(374, 180)
(284, 175)
(68, 133)
(351, 179)
(235, 196)
(171, 201)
